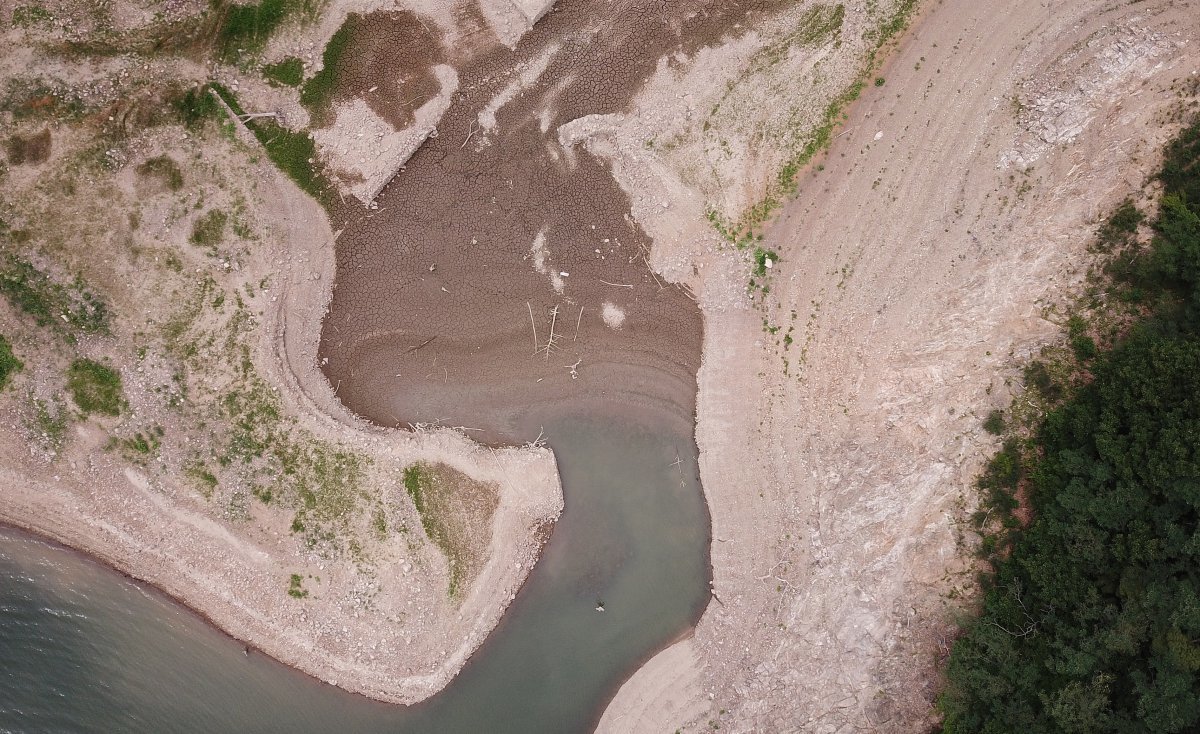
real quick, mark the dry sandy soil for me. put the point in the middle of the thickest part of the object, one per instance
(919, 266)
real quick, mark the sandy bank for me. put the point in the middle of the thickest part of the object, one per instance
(917, 266)
(376, 620)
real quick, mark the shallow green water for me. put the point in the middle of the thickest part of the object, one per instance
(83, 649)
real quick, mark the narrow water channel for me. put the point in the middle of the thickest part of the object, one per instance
(83, 649)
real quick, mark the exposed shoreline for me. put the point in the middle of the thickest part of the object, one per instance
(836, 422)
(124, 517)
(916, 266)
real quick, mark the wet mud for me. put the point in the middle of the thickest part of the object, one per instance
(440, 313)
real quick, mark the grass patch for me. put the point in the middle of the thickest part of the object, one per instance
(68, 309)
(317, 93)
(456, 514)
(94, 387)
(289, 72)
(9, 363)
(205, 479)
(164, 169)
(209, 229)
(28, 16)
(244, 29)
(292, 152)
(295, 154)
(195, 106)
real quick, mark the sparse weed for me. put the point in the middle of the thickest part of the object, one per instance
(9, 363)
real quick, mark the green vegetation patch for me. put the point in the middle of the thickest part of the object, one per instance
(1118, 230)
(1181, 168)
(245, 29)
(995, 423)
(820, 25)
(195, 106)
(205, 479)
(68, 308)
(209, 228)
(30, 15)
(292, 151)
(289, 72)
(295, 588)
(163, 169)
(48, 426)
(94, 387)
(456, 514)
(295, 153)
(1090, 619)
(9, 363)
(36, 98)
(317, 93)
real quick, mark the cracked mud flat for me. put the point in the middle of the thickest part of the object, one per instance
(491, 275)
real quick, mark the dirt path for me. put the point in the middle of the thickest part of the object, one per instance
(915, 268)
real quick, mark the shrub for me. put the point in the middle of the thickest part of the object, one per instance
(994, 424)
(94, 387)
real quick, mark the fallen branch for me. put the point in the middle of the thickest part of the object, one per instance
(248, 116)
(652, 275)
(534, 325)
(422, 344)
(616, 285)
(470, 134)
(553, 322)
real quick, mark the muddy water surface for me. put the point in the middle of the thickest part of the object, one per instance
(83, 649)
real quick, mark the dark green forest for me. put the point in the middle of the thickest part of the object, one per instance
(1090, 615)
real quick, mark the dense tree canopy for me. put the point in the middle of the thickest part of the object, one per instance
(1090, 622)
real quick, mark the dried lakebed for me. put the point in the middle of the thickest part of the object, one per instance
(85, 649)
